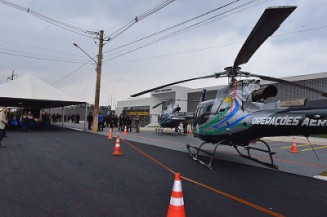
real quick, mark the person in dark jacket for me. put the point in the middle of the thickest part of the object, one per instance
(115, 121)
(111, 121)
(120, 120)
(90, 120)
(77, 117)
(129, 123)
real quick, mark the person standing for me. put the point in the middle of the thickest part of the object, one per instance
(46, 119)
(90, 120)
(129, 123)
(3, 123)
(24, 121)
(111, 121)
(100, 122)
(137, 122)
(29, 120)
(120, 121)
(77, 118)
(185, 123)
(115, 120)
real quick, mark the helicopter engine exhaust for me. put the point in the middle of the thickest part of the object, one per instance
(263, 93)
(177, 109)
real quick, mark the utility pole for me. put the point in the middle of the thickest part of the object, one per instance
(12, 76)
(97, 86)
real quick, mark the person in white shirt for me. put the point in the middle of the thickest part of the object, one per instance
(3, 122)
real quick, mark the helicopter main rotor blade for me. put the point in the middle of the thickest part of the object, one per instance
(267, 78)
(268, 23)
(186, 100)
(158, 105)
(216, 75)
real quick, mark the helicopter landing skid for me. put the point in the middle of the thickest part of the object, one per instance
(159, 131)
(198, 150)
(248, 155)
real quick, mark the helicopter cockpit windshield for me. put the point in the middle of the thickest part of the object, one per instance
(161, 115)
(202, 112)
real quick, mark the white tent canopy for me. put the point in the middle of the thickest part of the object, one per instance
(29, 91)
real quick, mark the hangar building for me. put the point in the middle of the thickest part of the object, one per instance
(148, 115)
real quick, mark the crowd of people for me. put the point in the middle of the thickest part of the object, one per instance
(26, 121)
(114, 121)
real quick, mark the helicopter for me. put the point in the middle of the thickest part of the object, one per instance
(171, 117)
(240, 115)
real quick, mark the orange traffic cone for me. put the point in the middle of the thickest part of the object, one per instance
(176, 206)
(294, 148)
(117, 150)
(125, 130)
(110, 134)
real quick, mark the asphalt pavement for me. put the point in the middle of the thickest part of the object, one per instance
(311, 159)
(63, 172)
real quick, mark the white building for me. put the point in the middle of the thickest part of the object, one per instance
(144, 106)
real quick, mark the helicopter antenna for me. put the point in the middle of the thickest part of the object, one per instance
(242, 107)
(313, 148)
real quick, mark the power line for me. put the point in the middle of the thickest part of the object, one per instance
(139, 18)
(36, 55)
(39, 58)
(38, 48)
(300, 31)
(66, 76)
(170, 28)
(217, 46)
(218, 16)
(117, 33)
(58, 23)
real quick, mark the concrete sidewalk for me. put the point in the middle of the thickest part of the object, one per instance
(298, 139)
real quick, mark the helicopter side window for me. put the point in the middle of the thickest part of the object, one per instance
(221, 110)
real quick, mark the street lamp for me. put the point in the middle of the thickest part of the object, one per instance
(98, 81)
(76, 45)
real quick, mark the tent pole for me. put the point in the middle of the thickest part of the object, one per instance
(62, 116)
(85, 117)
(50, 116)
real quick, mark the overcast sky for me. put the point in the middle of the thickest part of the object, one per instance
(29, 44)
